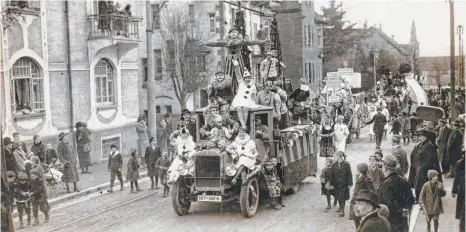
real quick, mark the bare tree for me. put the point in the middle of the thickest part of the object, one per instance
(184, 58)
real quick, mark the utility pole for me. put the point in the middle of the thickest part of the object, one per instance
(461, 53)
(151, 112)
(452, 62)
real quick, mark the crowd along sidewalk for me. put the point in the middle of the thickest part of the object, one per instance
(98, 180)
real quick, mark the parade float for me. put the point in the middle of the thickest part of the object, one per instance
(283, 157)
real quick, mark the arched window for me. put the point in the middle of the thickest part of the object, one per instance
(27, 86)
(104, 83)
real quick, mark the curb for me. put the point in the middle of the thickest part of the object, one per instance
(71, 196)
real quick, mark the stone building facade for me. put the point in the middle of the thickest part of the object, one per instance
(101, 62)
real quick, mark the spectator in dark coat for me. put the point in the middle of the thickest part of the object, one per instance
(66, 156)
(366, 204)
(401, 156)
(38, 148)
(143, 139)
(115, 165)
(363, 182)
(83, 146)
(458, 189)
(132, 173)
(423, 158)
(379, 121)
(153, 152)
(8, 154)
(50, 154)
(396, 194)
(454, 143)
(414, 121)
(442, 139)
(396, 126)
(163, 163)
(342, 180)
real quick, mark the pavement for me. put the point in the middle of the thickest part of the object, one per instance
(97, 210)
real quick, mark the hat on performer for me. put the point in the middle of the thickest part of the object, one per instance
(232, 29)
(246, 73)
(431, 174)
(22, 176)
(368, 196)
(185, 111)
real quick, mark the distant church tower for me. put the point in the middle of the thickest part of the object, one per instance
(414, 52)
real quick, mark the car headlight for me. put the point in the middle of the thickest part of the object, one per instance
(230, 170)
(183, 169)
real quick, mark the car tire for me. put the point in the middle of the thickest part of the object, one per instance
(180, 204)
(249, 198)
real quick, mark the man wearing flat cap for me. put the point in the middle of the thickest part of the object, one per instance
(366, 205)
(442, 139)
(423, 158)
(395, 193)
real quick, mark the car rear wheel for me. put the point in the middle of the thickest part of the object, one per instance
(180, 194)
(249, 198)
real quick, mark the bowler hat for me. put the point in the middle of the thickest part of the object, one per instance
(61, 135)
(390, 161)
(368, 196)
(185, 111)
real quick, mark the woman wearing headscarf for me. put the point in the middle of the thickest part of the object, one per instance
(66, 156)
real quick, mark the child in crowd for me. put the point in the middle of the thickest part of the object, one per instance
(163, 163)
(375, 171)
(39, 197)
(245, 98)
(431, 199)
(325, 178)
(23, 198)
(115, 163)
(132, 173)
(50, 153)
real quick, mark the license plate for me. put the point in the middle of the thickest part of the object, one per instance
(209, 198)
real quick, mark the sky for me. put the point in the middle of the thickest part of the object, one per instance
(431, 17)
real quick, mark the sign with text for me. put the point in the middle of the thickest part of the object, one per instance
(332, 75)
(345, 71)
(333, 99)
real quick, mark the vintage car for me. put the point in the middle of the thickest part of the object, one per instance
(210, 181)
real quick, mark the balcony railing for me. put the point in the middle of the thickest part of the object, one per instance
(23, 7)
(114, 25)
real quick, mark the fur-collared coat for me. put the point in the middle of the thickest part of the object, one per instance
(423, 158)
(431, 198)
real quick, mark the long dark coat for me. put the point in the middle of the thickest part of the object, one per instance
(454, 144)
(396, 194)
(151, 156)
(442, 144)
(379, 121)
(83, 140)
(342, 178)
(374, 223)
(423, 158)
(66, 156)
(458, 188)
(363, 182)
